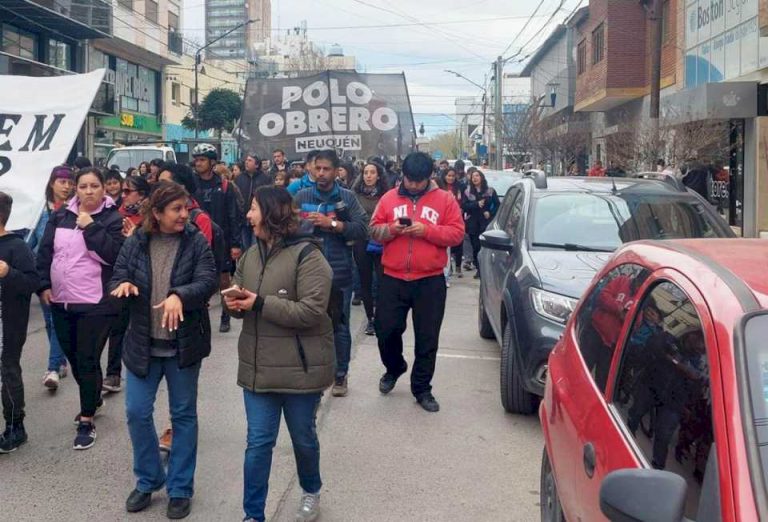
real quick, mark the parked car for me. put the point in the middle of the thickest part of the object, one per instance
(127, 157)
(549, 238)
(656, 404)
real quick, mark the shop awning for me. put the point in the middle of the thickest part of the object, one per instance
(711, 101)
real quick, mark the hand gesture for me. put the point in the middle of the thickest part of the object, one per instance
(241, 305)
(125, 290)
(418, 229)
(235, 253)
(487, 215)
(128, 227)
(481, 203)
(320, 220)
(45, 297)
(4, 268)
(84, 219)
(173, 312)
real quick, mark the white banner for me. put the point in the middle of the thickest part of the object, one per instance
(40, 119)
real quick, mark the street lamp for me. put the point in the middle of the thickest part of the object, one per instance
(485, 93)
(197, 62)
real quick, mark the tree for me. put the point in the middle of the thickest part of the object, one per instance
(219, 110)
(447, 143)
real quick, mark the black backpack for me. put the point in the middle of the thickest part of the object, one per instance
(219, 246)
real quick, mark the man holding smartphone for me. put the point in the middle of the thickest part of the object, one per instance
(416, 222)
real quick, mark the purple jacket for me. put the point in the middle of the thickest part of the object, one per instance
(76, 264)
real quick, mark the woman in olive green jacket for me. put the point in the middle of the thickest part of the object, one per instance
(286, 348)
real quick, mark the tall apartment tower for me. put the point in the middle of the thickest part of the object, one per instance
(223, 15)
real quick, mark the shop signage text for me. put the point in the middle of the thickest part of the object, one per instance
(126, 85)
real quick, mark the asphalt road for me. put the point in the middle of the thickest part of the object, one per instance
(382, 457)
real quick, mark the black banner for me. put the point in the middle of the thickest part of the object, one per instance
(358, 115)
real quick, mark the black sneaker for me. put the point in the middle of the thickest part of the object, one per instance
(98, 408)
(12, 438)
(370, 328)
(388, 381)
(86, 436)
(428, 402)
(224, 327)
(137, 501)
(178, 508)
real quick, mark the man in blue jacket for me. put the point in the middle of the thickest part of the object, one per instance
(334, 215)
(308, 179)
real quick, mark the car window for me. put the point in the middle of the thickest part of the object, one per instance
(602, 315)
(513, 221)
(605, 221)
(662, 391)
(506, 205)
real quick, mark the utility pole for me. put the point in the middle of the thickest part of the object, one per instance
(655, 17)
(498, 113)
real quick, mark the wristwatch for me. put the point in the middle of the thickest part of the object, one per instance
(334, 224)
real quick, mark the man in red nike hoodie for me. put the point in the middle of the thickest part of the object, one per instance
(416, 222)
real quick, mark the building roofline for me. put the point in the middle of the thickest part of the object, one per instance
(551, 40)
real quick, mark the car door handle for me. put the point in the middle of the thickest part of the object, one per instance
(589, 459)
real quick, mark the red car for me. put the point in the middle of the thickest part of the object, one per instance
(656, 405)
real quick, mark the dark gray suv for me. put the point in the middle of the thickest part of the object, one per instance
(546, 243)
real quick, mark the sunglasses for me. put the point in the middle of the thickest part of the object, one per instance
(126, 191)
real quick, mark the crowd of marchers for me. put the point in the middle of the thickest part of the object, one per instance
(135, 264)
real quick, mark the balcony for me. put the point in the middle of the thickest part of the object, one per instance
(78, 19)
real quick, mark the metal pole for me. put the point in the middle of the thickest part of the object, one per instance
(197, 96)
(498, 124)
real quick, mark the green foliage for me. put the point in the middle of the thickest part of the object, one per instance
(218, 110)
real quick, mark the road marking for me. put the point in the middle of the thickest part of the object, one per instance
(474, 357)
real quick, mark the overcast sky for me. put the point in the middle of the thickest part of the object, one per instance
(428, 37)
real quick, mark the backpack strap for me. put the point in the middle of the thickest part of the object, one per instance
(308, 248)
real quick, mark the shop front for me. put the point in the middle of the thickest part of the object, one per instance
(128, 109)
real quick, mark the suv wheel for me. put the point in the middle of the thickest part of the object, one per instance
(551, 509)
(514, 397)
(483, 324)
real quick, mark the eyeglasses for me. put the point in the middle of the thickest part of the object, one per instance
(127, 192)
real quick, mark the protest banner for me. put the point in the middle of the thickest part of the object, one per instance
(358, 115)
(40, 119)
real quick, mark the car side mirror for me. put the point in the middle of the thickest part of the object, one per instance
(643, 495)
(497, 240)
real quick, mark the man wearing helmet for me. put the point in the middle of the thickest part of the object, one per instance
(218, 199)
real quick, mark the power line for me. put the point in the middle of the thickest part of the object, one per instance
(530, 19)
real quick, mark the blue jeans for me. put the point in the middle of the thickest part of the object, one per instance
(246, 237)
(140, 396)
(342, 337)
(56, 357)
(263, 413)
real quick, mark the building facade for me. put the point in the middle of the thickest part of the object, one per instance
(129, 107)
(223, 15)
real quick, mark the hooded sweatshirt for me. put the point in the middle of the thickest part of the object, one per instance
(16, 288)
(407, 257)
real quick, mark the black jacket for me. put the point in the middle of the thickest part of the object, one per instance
(221, 204)
(475, 219)
(194, 279)
(17, 287)
(248, 185)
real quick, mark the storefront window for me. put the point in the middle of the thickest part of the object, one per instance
(19, 42)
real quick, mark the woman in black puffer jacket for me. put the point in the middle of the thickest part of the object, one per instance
(167, 273)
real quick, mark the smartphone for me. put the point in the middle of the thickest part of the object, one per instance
(234, 292)
(405, 221)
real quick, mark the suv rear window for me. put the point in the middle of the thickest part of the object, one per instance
(127, 158)
(605, 221)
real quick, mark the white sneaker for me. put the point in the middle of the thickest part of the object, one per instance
(51, 380)
(63, 371)
(309, 509)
